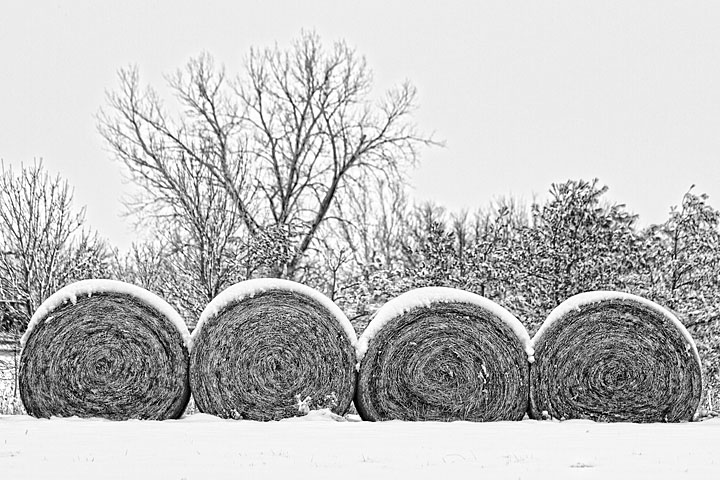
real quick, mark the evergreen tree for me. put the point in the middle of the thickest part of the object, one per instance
(576, 242)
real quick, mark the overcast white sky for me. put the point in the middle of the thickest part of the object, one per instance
(524, 93)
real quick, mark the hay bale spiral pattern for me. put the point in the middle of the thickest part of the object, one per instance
(273, 354)
(620, 358)
(109, 355)
(444, 360)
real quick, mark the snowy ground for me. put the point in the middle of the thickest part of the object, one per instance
(318, 446)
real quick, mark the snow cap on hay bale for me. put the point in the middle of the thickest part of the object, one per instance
(103, 348)
(439, 353)
(267, 349)
(611, 356)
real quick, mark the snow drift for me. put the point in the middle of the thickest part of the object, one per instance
(611, 356)
(443, 354)
(103, 348)
(268, 349)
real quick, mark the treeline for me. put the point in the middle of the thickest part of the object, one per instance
(527, 257)
(532, 257)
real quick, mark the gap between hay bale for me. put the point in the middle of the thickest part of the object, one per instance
(609, 356)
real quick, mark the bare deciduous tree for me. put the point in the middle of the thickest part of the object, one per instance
(42, 246)
(285, 142)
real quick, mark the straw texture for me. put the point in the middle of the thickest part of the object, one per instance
(276, 354)
(444, 361)
(110, 355)
(613, 360)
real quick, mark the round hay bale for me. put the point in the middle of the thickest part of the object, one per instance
(614, 357)
(268, 349)
(102, 348)
(443, 354)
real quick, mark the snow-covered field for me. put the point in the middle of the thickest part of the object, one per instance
(320, 446)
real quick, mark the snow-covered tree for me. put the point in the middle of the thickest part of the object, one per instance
(441, 249)
(431, 250)
(576, 242)
(493, 243)
(682, 271)
(42, 243)
(682, 257)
